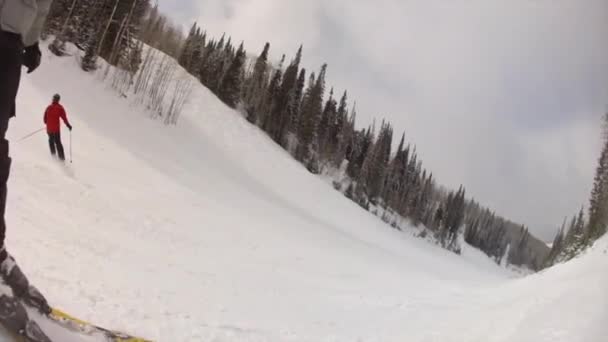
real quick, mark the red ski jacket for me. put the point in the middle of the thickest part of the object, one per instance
(52, 115)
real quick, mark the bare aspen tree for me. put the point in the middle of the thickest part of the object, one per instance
(181, 93)
(145, 72)
(105, 31)
(159, 84)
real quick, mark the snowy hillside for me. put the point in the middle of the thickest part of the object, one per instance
(207, 231)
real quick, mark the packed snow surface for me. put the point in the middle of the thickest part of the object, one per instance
(207, 231)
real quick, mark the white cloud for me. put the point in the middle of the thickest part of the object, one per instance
(503, 96)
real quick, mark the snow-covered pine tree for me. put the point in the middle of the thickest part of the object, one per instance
(205, 67)
(310, 116)
(519, 249)
(92, 35)
(186, 56)
(132, 58)
(392, 179)
(89, 19)
(406, 199)
(414, 187)
(573, 241)
(471, 233)
(295, 104)
(270, 97)
(454, 217)
(61, 18)
(598, 206)
(303, 122)
(230, 88)
(571, 231)
(375, 165)
(557, 246)
(255, 84)
(57, 15)
(439, 219)
(400, 200)
(424, 196)
(336, 123)
(328, 117)
(198, 52)
(362, 142)
(576, 241)
(212, 71)
(285, 97)
(291, 91)
(385, 155)
(335, 130)
(417, 207)
(344, 132)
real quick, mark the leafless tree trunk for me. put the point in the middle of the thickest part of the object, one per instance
(67, 19)
(114, 48)
(145, 72)
(105, 31)
(160, 84)
(181, 93)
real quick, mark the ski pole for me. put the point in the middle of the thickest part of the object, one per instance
(70, 146)
(31, 134)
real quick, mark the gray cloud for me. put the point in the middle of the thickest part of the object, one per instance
(502, 96)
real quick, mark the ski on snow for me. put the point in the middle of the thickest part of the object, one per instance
(25, 328)
(77, 325)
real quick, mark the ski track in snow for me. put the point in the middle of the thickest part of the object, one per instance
(207, 231)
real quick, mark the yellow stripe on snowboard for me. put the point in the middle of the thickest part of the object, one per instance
(62, 315)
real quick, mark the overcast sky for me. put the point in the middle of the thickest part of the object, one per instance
(505, 97)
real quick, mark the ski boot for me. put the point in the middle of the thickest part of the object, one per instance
(14, 318)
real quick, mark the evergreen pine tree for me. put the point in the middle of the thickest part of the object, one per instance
(346, 132)
(214, 69)
(197, 52)
(296, 103)
(311, 112)
(421, 211)
(256, 84)
(285, 98)
(206, 66)
(375, 165)
(186, 56)
(230, 88)
(270, 97)
(557, 246)
(327, 121)
(92, 36)
(598, 209)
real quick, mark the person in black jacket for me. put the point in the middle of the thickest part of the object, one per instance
(21, 23)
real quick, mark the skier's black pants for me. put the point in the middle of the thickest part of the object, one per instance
(11, 54)
(56, 145)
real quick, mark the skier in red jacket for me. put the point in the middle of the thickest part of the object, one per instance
(53, 113)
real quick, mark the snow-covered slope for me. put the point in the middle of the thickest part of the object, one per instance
(207, 231)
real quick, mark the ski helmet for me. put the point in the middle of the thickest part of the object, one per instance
(56, 97)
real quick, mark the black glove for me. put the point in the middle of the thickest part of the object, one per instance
(69, 127)
(31, 57)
